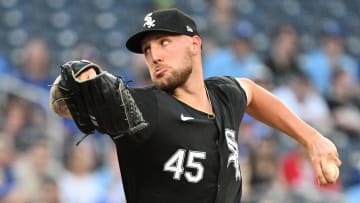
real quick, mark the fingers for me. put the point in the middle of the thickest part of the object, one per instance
(327, 168)
(335, 158)
(57, 102)
(64, 110)
(325, 160)
(337, 161)
(87, 74)
(331, 171)
(319, 172)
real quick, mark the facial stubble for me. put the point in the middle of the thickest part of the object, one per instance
(176, 76)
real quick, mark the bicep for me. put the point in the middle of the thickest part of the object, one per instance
(265, 107)
(259, 100)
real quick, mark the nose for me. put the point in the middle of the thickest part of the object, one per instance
(156, 54)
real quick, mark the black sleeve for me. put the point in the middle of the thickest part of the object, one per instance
(231, 85)
(234, 82)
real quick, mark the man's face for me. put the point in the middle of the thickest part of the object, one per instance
(169, 59)
(333, 45)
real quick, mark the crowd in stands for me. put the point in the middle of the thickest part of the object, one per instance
(40, 163)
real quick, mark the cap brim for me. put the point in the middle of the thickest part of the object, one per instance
(133, 44)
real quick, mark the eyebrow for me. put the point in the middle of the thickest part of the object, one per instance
(155, 37)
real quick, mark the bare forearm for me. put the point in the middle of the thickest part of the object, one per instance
(265, 107)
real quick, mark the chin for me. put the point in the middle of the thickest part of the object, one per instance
(167, 87)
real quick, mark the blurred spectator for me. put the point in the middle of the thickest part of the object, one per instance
(49, 191)
(302, 98)
(110, 177)
(79, 183)
(283, 54)
(321, 63)
(15, 196)
(352, 194)
(15, 116)
(88, 51)
(35, 165)
(264, 77)
(239, 60)
(7, 174)
(344, 102)
(5, 65)
(23, 122)
(352, 177)
(221, 17)
(263, 165)
(35, 63)
(139, 71)
(252, 134)
(345, 109)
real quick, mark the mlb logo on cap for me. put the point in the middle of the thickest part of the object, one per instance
(167, 20)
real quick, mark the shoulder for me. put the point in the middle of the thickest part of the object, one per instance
(221, 82)
(228, 84)
(228, 81)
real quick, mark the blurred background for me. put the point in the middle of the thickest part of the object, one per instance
(305, 52)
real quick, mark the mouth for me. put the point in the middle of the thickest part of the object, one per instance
(160, 71)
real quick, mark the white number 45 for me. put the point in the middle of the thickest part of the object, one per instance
(175, 164)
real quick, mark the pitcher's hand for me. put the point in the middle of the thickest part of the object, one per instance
(325, 159)
(87, 74)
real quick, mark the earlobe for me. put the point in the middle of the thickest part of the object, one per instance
(196, 45)
(193, 48)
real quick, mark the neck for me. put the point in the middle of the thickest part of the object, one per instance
(195, 96)
(193, 92)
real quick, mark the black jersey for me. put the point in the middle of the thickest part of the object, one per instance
(183, 156)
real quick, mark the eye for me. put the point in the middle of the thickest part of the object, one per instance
(146, 50)
(164, 42)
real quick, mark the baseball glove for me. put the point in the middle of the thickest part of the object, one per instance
(103, 103)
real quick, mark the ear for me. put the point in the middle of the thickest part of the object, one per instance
(196, 45)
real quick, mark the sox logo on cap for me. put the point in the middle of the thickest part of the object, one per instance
(149, 22)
